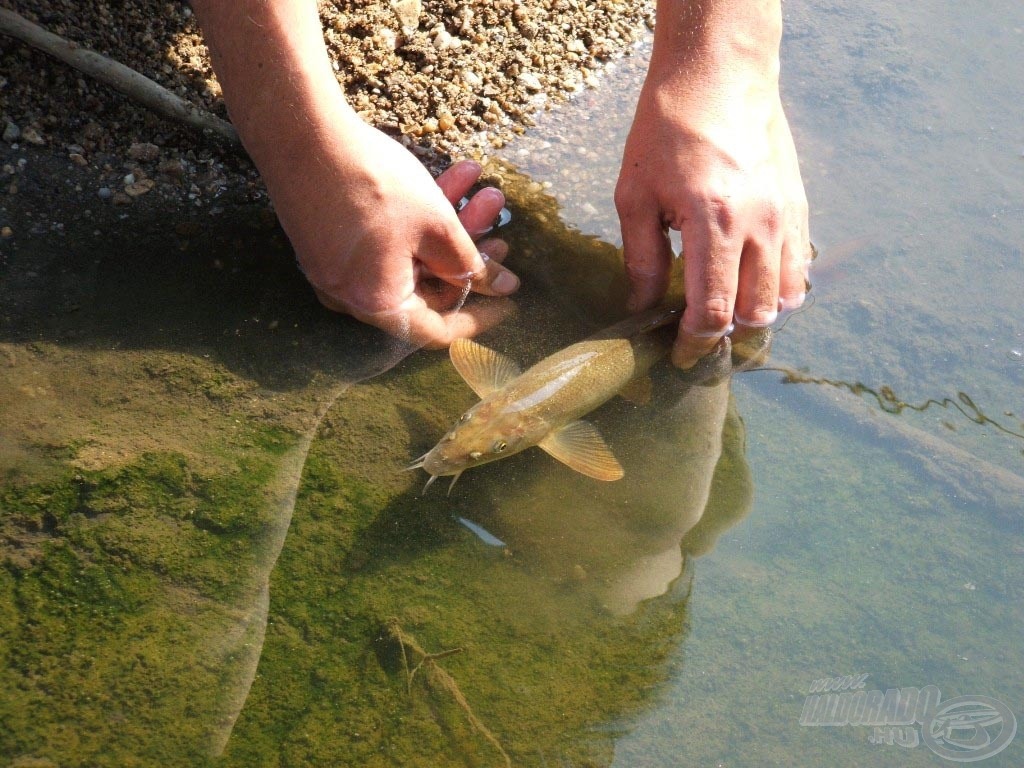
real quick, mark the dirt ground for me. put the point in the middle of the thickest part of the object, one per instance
(446, 78)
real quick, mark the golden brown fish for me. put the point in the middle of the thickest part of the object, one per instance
(543, 405)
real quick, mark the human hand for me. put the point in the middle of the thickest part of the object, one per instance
(379, 239)
(710, 154)
(370, 228)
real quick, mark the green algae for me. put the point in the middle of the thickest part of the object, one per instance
(117, 585)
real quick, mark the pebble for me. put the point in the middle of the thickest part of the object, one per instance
(6, 232)
(138, 188)
(530, 81)
(471, 78)
(408, 13)
(32, 136)
(414, 61)
(104, 193)
(144, 152)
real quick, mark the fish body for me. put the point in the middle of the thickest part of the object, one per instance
(543, 405)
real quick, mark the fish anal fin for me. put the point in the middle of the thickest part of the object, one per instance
(637, 391)
(483, 369)
(580, 447)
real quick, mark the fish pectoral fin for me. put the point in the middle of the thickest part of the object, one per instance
(485, 370)
(580, 446)
(637, 391)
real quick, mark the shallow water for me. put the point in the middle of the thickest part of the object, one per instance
(194, 484)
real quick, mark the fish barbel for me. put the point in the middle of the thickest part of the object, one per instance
(543, 406)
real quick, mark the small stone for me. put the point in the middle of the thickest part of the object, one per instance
(386, 38)
(172, 167)
(446, 121)
(429, 126)
(138, 188)
(530, 81)
(104, 193)
(6, 232)
(32, 136)
(11, 133)
(120, 198)
(129, 178)
(144, 152)
(408, 13)
(471, 78)
(78, 159)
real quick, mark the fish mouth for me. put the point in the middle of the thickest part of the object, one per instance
(434, 477)
(419, 464)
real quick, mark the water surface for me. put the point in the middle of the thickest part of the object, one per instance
(210, 549)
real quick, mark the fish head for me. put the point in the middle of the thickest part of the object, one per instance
(482, 434)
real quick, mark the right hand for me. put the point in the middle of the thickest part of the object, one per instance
(380, 240)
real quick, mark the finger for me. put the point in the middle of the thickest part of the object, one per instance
(648, 256)
(494, 248)
(450, 255)
(457, 180)
(416, 323)
(757, 292)
(711, 272)
(797, 254)
(479, 214)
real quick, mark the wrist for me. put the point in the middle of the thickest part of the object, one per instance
(278, 83)
(712, 45)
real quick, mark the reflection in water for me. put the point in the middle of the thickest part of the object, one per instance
(621, 542)
(563, 631)
(156, 427)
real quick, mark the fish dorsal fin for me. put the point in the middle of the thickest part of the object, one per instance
(637, 390)
(580, 446)
(485, 370)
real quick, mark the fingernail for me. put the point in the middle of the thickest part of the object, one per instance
(505, 282)
(793, 302)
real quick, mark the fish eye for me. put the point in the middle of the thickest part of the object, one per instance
(500, 446)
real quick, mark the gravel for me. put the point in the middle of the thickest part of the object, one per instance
(446, 78)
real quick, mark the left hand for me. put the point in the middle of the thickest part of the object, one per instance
(710, 154)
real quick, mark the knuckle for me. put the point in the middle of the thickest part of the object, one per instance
(713, 315)
(722, 211)
(629, 201)
(641, 265)
(772, 216)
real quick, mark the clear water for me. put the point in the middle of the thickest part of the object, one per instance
(209, 547)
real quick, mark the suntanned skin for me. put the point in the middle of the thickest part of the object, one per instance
(367, 222)
(709, 153)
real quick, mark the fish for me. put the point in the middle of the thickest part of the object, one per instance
(544, 405)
